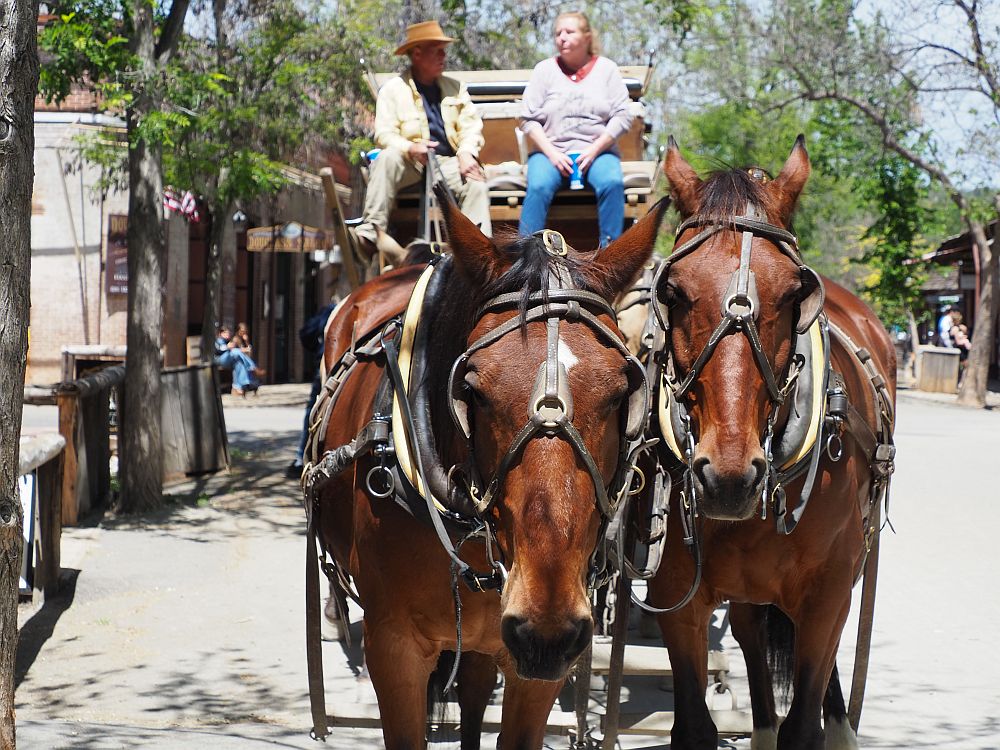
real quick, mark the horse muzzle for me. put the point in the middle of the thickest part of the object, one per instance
(728, 495)
(545, 653)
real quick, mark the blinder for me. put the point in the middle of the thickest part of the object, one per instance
(812, 304)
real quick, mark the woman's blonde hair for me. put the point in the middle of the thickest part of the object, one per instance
(594, 48)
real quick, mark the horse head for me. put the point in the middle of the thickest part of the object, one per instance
(735, 294)
(542, 397)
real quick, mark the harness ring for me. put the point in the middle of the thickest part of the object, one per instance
(834, 455)
(390, 483)
(642, 481)
(748, 304)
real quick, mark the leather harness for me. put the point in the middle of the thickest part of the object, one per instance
(550, 414)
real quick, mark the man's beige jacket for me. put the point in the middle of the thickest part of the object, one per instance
(400, 118)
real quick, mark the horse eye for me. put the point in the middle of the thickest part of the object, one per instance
(471, 392)
(674, 295)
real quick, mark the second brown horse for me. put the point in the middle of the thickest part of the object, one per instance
(731, 397)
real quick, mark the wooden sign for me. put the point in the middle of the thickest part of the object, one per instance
(291, 237)
(116, 267)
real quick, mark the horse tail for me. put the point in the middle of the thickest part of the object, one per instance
(780, 650)
(436, 683)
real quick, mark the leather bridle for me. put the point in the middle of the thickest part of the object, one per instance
(740, 310)
(550, 407)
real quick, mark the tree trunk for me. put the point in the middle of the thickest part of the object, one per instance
(141, 449)
(213, 281)
(972, 392)
(18, 84)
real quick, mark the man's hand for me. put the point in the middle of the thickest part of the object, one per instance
(418, 150)
(469, 168)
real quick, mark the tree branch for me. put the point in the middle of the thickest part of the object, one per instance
(892, 143)
(171, 31)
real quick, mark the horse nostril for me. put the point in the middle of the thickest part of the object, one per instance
(759, 467)
(700, 466)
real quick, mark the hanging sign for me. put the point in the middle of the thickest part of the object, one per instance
(291, 237)
(116, 268)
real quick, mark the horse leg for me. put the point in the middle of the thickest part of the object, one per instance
(749, 625)
(685, 634)
(818, 625)
(526, 707)
(399, 666)
(477, 676)
(839, 733)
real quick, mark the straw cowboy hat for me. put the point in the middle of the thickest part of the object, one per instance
(422, 33)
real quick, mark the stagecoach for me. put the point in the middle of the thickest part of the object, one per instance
(419, 216)
(497, 95)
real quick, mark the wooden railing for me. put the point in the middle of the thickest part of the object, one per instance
(83, 422)
(41, 456)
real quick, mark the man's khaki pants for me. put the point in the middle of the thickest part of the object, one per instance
(392, 171)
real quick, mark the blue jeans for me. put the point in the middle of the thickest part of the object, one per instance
(243, 368)
(605, 178)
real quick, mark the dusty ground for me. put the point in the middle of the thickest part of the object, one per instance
(185, 629)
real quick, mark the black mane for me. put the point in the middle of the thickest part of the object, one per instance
(453, 319)
(726, 193)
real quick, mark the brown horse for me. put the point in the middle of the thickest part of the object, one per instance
(736, 299)
(524, 351)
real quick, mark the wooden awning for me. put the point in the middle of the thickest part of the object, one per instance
(291, 237)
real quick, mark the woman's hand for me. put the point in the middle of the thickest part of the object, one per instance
(598, 147)
(560, 161)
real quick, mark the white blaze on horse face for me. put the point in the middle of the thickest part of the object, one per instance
(566, 357)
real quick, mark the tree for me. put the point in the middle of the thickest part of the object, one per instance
(126, 49)
(252, 98)
(889, 72)
(18, 84)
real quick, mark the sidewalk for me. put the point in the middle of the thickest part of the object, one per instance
(184, 628)
(906, 390)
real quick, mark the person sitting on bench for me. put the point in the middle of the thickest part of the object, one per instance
(229, 355)
(575, 108)
(419, 111)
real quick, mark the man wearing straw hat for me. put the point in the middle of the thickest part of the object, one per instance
(417, 112)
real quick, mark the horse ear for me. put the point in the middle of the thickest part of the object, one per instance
(616, 266)
(787, 186)
(473, 251)
(685, 185)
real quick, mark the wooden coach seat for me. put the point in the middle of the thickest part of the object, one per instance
(497, 95)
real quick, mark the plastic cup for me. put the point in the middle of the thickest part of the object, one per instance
(575, 178)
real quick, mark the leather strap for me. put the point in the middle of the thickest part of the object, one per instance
(314, 639)
(866, 619)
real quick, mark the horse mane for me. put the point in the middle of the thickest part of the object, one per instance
(726, 193)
